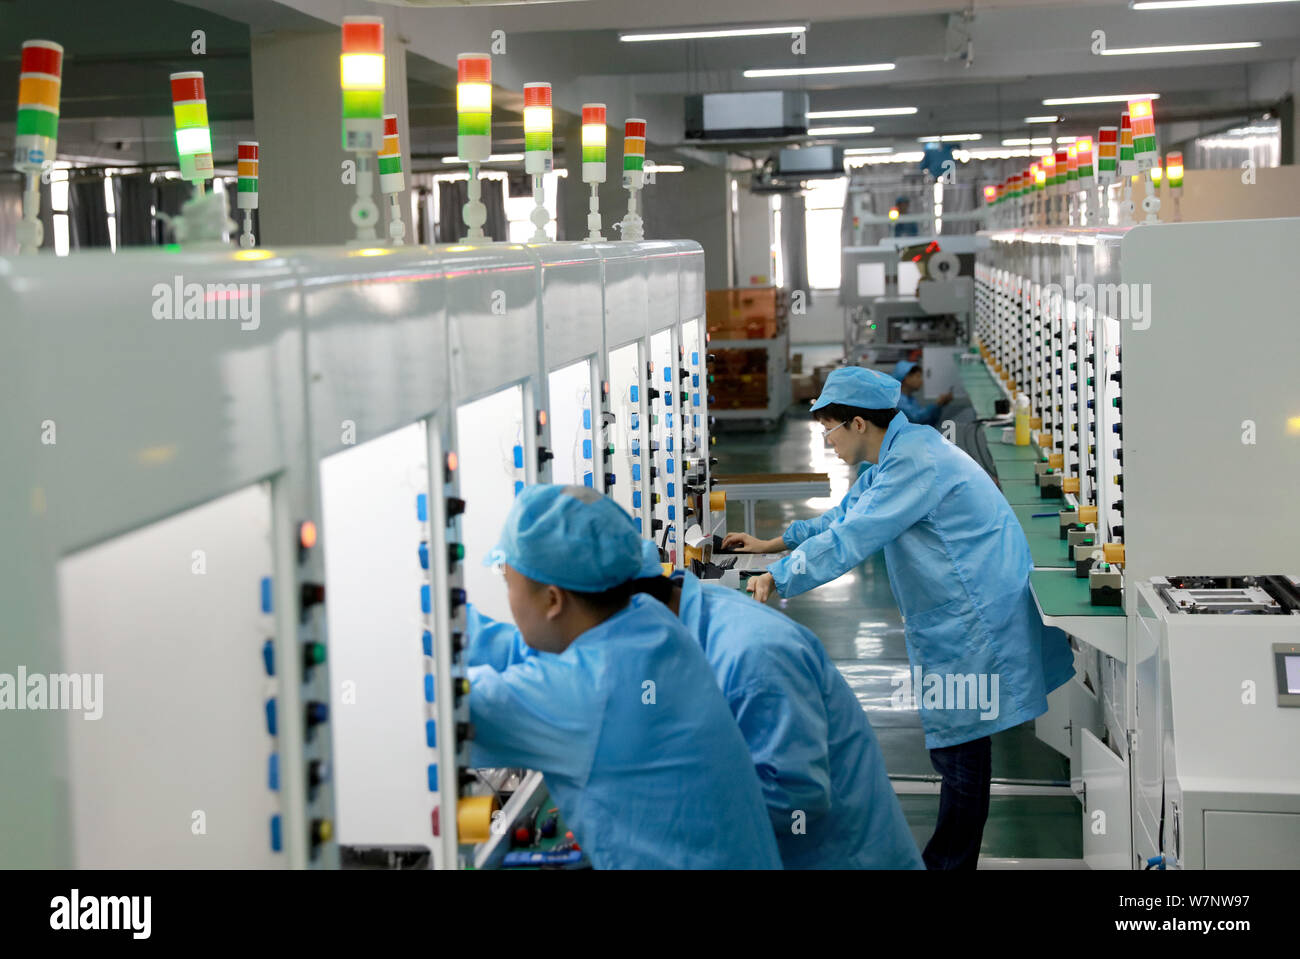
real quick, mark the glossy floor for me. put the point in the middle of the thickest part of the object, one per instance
(858, 620)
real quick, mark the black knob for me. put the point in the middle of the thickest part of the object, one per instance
(656, 525)
(312, 593)
(609, 480)
(455, 506)
(317, 713)
(318, 772)
(543, 454)
(458, 597)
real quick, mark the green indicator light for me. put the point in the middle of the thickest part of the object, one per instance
(456, 551)
(315, 653)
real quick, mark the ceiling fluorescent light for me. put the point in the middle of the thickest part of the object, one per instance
(1026, 141)
(846, 114)
(1047, 119)
(1106, 98)
(814, 71)
(838, 131)
(1193, 4)
(951, 138)
(863, 151)
(494, 158)
(720, 33)
(1180, 48)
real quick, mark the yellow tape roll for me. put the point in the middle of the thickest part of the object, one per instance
(1043, 440)
(1070, 484)
(1035, 422)
(1087, 514)
(1114, 553)
(717, 500)
(474, 818)
(1056, 460)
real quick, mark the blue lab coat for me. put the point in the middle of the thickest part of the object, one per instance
(809, 738)
(927, 415)
(646, 777)
(959, 568)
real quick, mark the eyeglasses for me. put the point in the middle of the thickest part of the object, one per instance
(826, 434)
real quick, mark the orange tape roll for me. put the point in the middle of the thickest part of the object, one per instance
(474, 818)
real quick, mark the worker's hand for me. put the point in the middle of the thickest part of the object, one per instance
(945, 399)
(744, 543)
(761, 586)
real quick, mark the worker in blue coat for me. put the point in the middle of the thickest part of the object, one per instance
(607, 695)
(823, 775)
(958, 562)
(911, 383)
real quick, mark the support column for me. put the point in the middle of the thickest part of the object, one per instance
(297, 119)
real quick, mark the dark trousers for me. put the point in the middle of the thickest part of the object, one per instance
(967, 770)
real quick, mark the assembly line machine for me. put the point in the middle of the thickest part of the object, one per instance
(251, 492)
(1161, 514)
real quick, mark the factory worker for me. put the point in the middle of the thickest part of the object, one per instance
(823, 775)
(610, 698)
(909, 377)
(982, 660)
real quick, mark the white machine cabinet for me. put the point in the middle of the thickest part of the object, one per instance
(153, 488)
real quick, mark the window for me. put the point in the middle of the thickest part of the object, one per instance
(59, 206)
(518, 209)
(823, 213)
(778, 262)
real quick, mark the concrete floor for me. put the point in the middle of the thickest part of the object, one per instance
(857, 619)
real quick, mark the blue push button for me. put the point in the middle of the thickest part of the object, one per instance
(273, 773)
(636, 499)
(317, 713)
(668, 375)
(633, 394)
(424, 556)
(519, 457)
(695, 380)
(695, 419)
(636, 471)
(427, 642)
(587, 480)
(636, 422)
(277, 841)
(672, 489)
(695, 358)
(422, 507)
(670, 426)
(433, 777)
(586, 449)
(672, 512)
(670, 439)
(266, 594)
(426, 599)
(586, 419)
(270, 717)
(431, 733)
(268, 657)
(670, 466)
(519, 487)
(695, 399)
(428, 688)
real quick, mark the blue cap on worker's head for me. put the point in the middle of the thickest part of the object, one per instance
(903, 367)
(860, 387)
(651, 562)
(571, 537)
